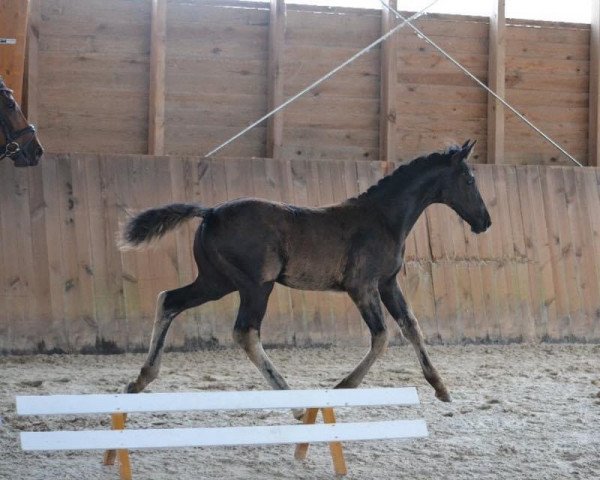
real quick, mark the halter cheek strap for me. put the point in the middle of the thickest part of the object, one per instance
(12, 148)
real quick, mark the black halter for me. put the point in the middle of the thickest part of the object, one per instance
(12, 147)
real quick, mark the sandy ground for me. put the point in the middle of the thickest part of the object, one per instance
(519, 411)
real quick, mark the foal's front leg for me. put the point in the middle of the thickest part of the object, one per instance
(246, 333)
(367, 301)
(394, 301)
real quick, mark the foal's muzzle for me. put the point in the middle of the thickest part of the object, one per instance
(483, 225)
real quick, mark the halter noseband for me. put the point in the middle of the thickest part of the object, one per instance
(12, 147)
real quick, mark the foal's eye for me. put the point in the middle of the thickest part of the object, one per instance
(470, 181)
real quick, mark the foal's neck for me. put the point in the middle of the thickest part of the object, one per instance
(403, 197)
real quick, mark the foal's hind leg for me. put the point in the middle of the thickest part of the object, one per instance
(367, 301)
(394, 301)
(168, 305)
(246, 332)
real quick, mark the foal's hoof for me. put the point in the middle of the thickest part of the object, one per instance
(444, 396)
(298, 414)
(130, 388)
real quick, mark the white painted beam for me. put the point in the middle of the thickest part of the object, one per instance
(242, 400)
(205, 437)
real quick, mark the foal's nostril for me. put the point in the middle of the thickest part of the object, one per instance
(39, 151)
(488, 222)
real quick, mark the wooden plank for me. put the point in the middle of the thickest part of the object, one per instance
(275, 77)
(13, 26)
(389, 59)
(541, 246)
(588, 272)
(549, 33)
(41, 310)
(510, 324)
(16, 274)
(568, 240)
(592, 183)
(442, 274)
(594, 90)
(112, 169)
(496, 77)
(530, 242)
(491, 248)
(337, 454)
(232, 400)
(204, 437)
(78, 205)
(553, 194)
(545, 66)
(531, 48)
(137, 180)
(101, 243)
(309, 418)
(522, 287)
(53, 241)
(306, 28)
(156, 108)
(581, 275)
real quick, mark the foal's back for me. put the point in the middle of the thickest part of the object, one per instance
(306, 248)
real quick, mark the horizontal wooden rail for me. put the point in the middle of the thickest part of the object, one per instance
(253, 400)
(225, 436)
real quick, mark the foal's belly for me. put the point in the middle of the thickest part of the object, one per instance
(310, 281)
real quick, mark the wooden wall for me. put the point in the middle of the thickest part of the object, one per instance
(436, 102)
(216, 76)
(91, 70)
(547, 77)
(90, 66)
(63, 284)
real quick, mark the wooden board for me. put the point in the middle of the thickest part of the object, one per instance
(204, 437)
(210, 401)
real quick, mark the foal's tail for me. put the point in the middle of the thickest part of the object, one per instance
(154, 223)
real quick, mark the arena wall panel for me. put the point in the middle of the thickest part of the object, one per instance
(64, 285)
(89, 81)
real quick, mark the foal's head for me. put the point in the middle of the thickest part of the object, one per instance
(459, 190)
(17, 137)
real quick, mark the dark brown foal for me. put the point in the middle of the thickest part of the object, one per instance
(356, 246)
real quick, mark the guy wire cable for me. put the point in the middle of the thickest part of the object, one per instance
(479, 82)
(324, 77)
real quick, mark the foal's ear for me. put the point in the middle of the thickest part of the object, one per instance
(464, 152)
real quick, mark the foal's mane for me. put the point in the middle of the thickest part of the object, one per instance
(409, 172)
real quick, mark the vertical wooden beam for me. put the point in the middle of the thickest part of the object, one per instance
(275, 78)
(389, 78)
(30, 81)
(335, 448)
(156, 110)
(496, 76)
(594, 101)
(13, 32)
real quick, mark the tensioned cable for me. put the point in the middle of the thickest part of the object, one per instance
(405, 21)
(479, 82)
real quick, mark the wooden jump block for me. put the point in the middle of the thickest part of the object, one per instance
(119, 440)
